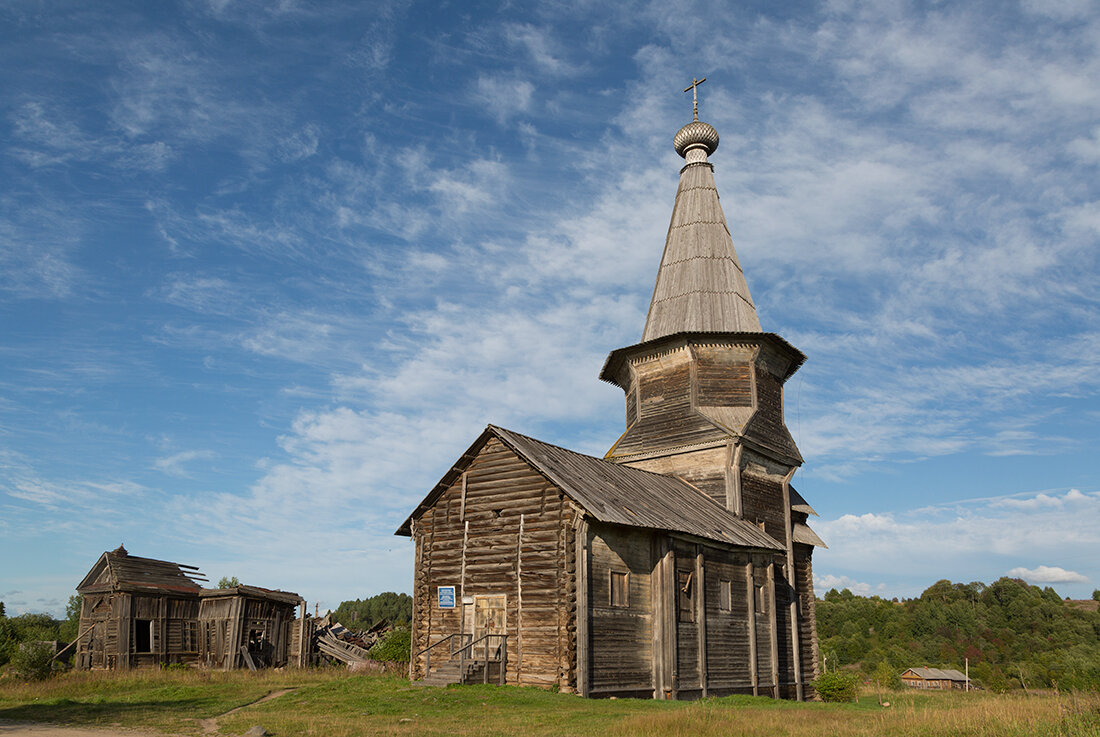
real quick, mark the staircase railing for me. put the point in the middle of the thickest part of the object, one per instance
(500, 653)
(427, 652)
(466, 652)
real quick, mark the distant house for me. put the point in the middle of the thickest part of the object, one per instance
(141, 612)
(943, 679)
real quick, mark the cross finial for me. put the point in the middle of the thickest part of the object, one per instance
(694, 87)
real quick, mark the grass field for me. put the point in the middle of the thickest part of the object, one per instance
(335, 704)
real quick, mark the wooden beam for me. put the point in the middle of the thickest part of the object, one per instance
(583, 609)
(773, 630)
(462, 506)
(462, 573)
(125, 625)
(750, 591)
(418, 545)
(701, 618)
(734, 502)
(519, 601)
(796, 654)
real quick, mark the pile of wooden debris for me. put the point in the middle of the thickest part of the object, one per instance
(333, 642)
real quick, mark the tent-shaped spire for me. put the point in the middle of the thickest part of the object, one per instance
(700, 286)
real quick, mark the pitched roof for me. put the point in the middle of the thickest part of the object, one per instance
(700, 285)
(937, 674)
(117, 569)
(616, 494)
(255, 592)
(799, 503)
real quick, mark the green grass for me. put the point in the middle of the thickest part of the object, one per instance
(336, 704)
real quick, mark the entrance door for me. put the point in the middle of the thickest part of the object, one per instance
(490, 615)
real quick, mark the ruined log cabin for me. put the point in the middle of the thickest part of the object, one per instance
(676, 566)
(141, 612)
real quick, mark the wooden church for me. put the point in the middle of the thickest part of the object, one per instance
(677, 566)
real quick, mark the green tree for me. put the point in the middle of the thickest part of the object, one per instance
(226, 582)
(837, 685)
(395, 646)
(70, 627)
(33, 660)
(1095, 597)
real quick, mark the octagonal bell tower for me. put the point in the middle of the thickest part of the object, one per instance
(704, 388)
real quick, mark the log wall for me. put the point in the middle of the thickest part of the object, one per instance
(620, 650)
(471, 539)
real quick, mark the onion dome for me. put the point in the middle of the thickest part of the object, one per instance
(695, 134)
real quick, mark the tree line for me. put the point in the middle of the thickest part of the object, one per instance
(1015, 635)
(34, 627)
(361, 614)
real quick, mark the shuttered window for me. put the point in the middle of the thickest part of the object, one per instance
(619, 589)
(685, 596)
(725, 595)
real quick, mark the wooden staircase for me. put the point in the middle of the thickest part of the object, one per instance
(460, 667)
(454, 671)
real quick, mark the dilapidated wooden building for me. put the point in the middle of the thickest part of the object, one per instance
(139, 612)
(677, 566)
(248, 626)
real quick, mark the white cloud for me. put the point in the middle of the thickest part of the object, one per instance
(823, 583)
(1047, 574)
(967, 539)
(175, 464)
(504, 97)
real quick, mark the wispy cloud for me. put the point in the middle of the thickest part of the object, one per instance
(176, 464)
(1047, 574)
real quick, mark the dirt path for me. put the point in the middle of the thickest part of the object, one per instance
(210, 726)
(39, 729)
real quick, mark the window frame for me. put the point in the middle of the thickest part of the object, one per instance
(624, 589)
(685, 595)
(725, 595)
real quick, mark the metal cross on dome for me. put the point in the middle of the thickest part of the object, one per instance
(694, 87)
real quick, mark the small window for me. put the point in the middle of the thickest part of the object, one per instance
(761, 600)
(619, 589)
(684, 596)
(725, 595)
(143, 635)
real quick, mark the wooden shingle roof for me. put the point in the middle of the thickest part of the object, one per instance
(118, 570)
(616, 494)
(700, 285)
(937, 674)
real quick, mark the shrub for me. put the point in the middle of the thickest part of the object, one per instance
(837, 686)
(33, 660)
(394, 646)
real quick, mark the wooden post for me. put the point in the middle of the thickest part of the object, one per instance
(582, 608)
(125, 626)
(462, 573)
(462, 505)
(796, 655)
(733, 480)
(750, 592)
(773, 629)
(701, 618)
(162, 631)
(664, 617)
(418, 546)
(519, 601)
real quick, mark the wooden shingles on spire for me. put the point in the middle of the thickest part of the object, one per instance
(700, 285)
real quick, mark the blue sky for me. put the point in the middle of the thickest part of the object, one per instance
(269, 267)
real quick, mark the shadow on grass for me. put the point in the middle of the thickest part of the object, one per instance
(73, 712)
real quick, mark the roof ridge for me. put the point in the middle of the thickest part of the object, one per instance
(585, 455)
(633, 469)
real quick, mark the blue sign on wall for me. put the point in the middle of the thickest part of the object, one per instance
(446, 597)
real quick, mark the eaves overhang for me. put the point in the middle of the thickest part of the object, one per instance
(617, 358)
